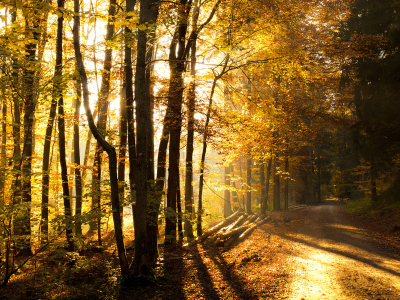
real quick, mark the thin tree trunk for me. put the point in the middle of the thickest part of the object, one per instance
(190, 129)
(242, 184)
(155, 199)
(179, 206)
(203, 153)
(227, 192)
(3, 156)
(277, 186)
(286, 196)
(265, 205)
(235, 196)
(319, 176)
(77, 161)
(3, 153)
(311, 181)
(248, 199)
(103, 113)
(123, 134)
(58, 94)
(106, 146)
(262, 183)
(130, 6)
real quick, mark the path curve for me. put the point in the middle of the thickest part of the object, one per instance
(334, 259)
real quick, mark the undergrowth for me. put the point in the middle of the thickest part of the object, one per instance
(366, 206)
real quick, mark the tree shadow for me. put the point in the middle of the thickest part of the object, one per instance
(234, 280)
(204, 276)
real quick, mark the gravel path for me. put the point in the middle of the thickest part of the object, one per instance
(334, 259)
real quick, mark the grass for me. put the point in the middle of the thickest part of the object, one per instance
(366, 206)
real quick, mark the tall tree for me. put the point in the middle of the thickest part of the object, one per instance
(77, 160)
(191, 105)
(248, 199)
(33, 18)
(147, 17)
(103, 143)
(58, 94)
(103, 112)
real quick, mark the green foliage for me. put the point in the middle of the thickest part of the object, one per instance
(391, 195)
(361, 206)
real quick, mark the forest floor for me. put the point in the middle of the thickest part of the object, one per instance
(320, 252)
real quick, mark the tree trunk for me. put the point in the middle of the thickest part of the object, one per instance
(286, 196)
(311, 181)
(106, 146)
(248, 202)
(103, 113)
(265, 205)
(203, 153)
(141, 266)
(235, 196)
(262, 183)
(130, 6)
(190, 130)
(58, 94)
(227, 192)
(179, 206)
(29, 114)
(175, 99)
(123, 134)
(277, 187)
(155, 199)
(319, 177)
(3, 156)
(77, 161)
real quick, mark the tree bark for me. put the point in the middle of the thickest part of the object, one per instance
(262, 183)
(190, 129)
(103, 112)
(235, 196)
(141, 263)
(179, 207)
(106, 146)
(123, 134)
(286, 196)
(77, 161)
(29, 115)
(130, 6)
(319, 199)
(203, 154)
(277, 186)
(58, 94)
(248, 200)
(155, 199)
(311, 172)
(265, 205)
(227, 192)
(3, 156)
(175, 99)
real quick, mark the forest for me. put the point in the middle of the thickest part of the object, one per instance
(138, 129)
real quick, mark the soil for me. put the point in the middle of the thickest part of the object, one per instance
(315, 252)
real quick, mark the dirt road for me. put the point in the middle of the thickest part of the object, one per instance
(334, 259)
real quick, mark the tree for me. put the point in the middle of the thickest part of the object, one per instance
(104, 144)
(148, 15)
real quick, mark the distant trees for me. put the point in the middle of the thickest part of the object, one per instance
(373, 75)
